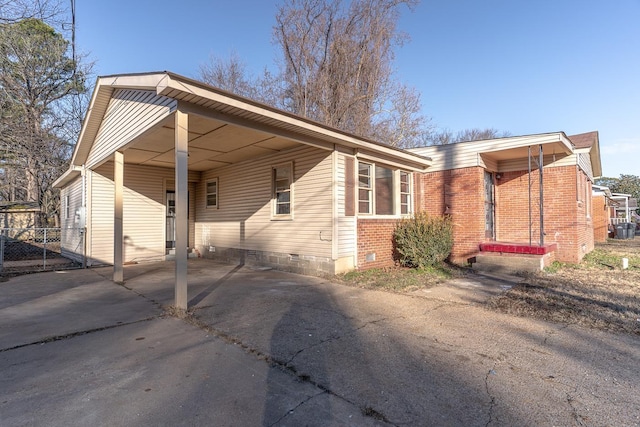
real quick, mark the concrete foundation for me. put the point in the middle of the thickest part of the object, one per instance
(294, 263)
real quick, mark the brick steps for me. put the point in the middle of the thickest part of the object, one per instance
(518, 248)
(503, 257)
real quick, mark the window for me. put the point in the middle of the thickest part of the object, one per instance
(282, 179)
(587, 198)
(67, 207)
(405, 193)
(383, 191)
(365, 188)
(212, 193)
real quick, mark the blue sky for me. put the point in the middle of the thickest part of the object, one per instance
(519, 66)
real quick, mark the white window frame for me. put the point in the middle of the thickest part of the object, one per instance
(408, 193)
(366, 188)
(274, 192)
(67, 207)
(207, 193)
(396, 189)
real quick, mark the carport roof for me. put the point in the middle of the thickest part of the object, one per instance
(228, 108)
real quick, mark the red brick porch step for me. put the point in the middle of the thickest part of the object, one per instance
(518, 248)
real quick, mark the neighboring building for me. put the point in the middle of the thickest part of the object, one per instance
(602, 212)
(624, 207)
(19, 214)
(166, 166)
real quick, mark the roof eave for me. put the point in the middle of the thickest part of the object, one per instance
(166, 82)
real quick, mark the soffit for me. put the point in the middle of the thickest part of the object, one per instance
(212, 144)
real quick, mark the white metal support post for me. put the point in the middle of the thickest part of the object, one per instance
(182, 223)
(118, 240)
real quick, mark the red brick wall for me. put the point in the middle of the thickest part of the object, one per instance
(567, 194)
(600, 212)
(375, 236)
(585, 212)
(460, 194)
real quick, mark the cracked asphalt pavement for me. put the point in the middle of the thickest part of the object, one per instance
(275, 349)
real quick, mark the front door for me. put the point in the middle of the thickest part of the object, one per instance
(171, 220)
(488, 205)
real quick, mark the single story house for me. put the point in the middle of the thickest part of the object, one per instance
(166, 166)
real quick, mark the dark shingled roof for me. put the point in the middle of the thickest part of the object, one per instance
(584, 140)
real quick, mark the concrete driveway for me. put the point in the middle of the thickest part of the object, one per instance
(274, 349)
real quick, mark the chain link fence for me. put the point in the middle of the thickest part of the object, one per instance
(26, 250)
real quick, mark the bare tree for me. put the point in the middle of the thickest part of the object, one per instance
(402, 125)
(51, 11)
(476, 134)
(229, 74)
(447, 136)
(337, 67)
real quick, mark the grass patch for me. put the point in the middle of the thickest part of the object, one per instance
(595, 293)
(610, 258)
(399, 279)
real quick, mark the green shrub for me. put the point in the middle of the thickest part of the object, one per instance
(423, 240)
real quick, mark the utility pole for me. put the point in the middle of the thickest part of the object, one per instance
(73, 34)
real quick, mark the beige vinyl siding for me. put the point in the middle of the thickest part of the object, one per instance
(488, 163)
(445, 157)
(71, 239)
(130, 113)
(480, 153)
(347, 226)
(452, 156)
(144, 212)
(549, 161)
(243, 218)
(100, 241)
(584, 161)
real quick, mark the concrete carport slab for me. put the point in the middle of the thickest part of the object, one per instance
(77, 350)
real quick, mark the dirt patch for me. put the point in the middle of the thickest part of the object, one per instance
(596, 293)
(399, 279)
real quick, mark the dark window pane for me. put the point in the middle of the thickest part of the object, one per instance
(404, 204)
(283, 197)
(282, 189)
(384, 191)
(364, 198)
(283, 209)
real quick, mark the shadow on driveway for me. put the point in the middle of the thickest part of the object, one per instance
(270, 348)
